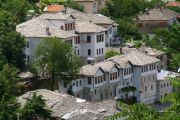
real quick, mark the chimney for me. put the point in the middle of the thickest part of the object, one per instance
(47, 31)
(120, 50)
(65, 11)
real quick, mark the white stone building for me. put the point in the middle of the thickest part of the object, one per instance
(112, 37)
(164, 86)
(106, 79)
(87, 38)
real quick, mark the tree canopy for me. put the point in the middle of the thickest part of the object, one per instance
(168, 41)
(8, 103)
(57, 56)
(34, 108)
(111, 53)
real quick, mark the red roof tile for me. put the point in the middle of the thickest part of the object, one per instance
(174, 4)
(55, 8)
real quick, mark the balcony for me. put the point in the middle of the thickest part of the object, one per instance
(116, 40)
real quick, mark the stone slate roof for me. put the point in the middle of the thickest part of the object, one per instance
(94, 18)
(89, 70)
(57, 15)
(37, 28)
(151, 51)
(105, 66)
(158, 14)
(137, 58)
(88, 27)
(62, 104)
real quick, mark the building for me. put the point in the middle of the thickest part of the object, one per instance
(147, 50)
(92, 39)
(112, 38)
(92, 6)
(67, 107)
(157, 18)
(164, 86)
(173, 4)
(87, 38)
(157, 54)
(105, 80)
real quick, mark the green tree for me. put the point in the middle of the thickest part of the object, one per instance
(18, 8)
(12, 45)
(104, 11)
(8, 80)
(6, 22)
(58, 58)
(3, 60)
(74, 5)
(35, 108)
(111, 53)
(128, 29)
(137, 111)
(168, 41)
(8, 103)
(11, 42)
(173, 112)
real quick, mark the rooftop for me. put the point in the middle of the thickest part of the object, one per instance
(136, 58)
(37, 28)
(163, 75)
(88, 27)
(151, 51)
(94, 18)
(174, 4)
(158, 14)
(54, 8)
(72, 108)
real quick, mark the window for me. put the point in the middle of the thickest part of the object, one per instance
(99, 2)
(88, 39)
(97, 51)
(66, 27)
(27, 44)
(65, 84)
(127, 84)
(77, 40)
(151, 87)
(89, 81)
(62, 27)
(73, 26)
(110, 93)
(95, 80)
(76, 83)
(94, 91)
(80, 82)
(28, 58)
(100, 38)
(145, 88)
(89, 51)
(102, 51)
(70, 26)
(78, 51)
(113, 76)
